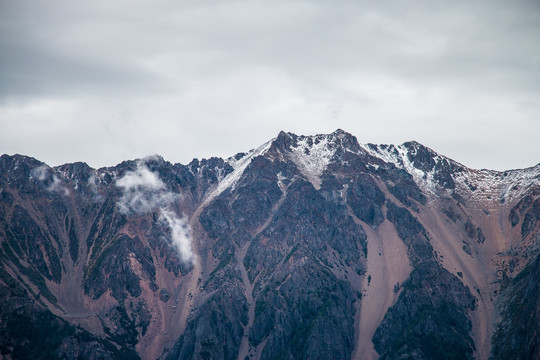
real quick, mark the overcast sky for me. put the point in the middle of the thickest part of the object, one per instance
(102, 81)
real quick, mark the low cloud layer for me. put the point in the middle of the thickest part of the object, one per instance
(143, 192)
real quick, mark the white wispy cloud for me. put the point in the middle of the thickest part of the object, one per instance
(180, 234)
(143, 192)
(93, 185)
(44, 174)
(40, 172)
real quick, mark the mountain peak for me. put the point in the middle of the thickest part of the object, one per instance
(313, 153)
(285, 140)
(236, 256)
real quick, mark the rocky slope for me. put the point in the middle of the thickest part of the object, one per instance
(309, 247)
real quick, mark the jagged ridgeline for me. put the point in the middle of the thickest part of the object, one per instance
(309, 247)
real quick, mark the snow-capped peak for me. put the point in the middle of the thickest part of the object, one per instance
(313, 154)
(433, 172)
(312, 159)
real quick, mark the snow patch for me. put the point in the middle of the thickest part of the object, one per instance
(478, 185)
(397, 155)
(518, 182)
(280, 183)
(312, 159)
(343, 192)
(386, 153)
(425, 180)
(495, 185)
(232, 178)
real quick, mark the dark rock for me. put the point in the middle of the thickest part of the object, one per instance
(402, 186)
(451, 213)
(411, 231)
(513, 217)
(306, 315)
(120, 327)
(470, 229)
(258, 192)
(112, 269)
(517, 336)
(24, 322)
(215, 330)
(432, 302)
(164, 295)
(429, 319)
(529, 223)
(481, 237)
(366, 200)
(467, 248)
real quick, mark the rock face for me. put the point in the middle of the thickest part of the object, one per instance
(309, 247)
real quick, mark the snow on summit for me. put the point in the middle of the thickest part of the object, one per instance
(432, 172)
(312, 157)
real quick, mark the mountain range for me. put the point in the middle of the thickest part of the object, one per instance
(308, 247)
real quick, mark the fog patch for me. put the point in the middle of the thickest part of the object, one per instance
(143, 192)
(141, 178)
(51, 182)
(93, 186)
(179, 234)
(40, 172)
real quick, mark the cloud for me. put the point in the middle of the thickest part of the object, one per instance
(52, 183)
(144, 192)
(93, 185)
(40, 172)
(142, 178)
(180, 234)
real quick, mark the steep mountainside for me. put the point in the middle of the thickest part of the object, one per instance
(309, 247)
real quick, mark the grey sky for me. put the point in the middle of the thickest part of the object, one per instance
(103, 81)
